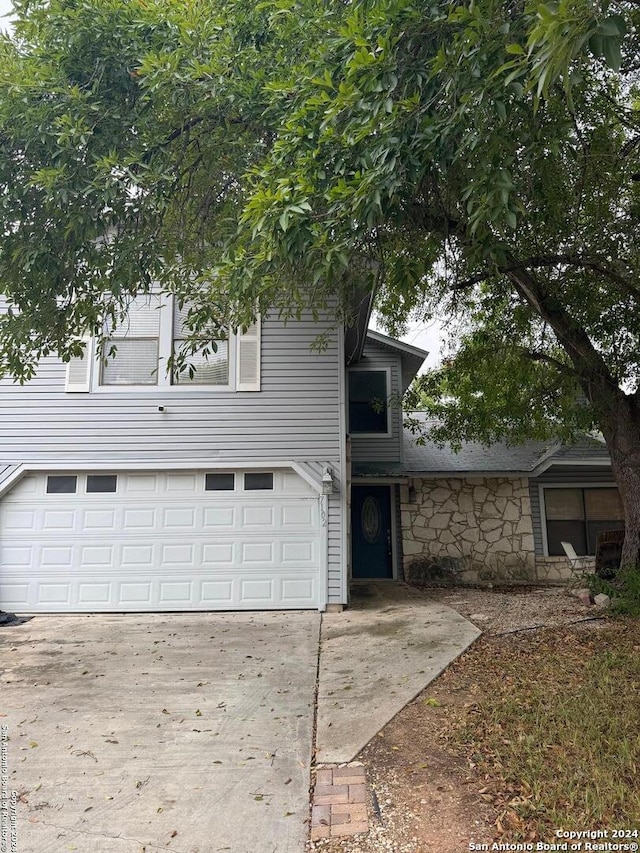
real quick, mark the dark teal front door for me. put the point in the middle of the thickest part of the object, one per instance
(371, 532)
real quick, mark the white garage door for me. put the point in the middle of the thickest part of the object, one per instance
(81, 542)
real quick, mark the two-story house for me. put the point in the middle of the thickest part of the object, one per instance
(126, 487)
(267, 479)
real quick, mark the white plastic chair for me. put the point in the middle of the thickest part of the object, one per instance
(580, 564)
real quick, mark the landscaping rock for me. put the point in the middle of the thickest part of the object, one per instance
(602, 600)
(583, 595)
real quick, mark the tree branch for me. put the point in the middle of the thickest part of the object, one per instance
(541, 356)
(542, 261)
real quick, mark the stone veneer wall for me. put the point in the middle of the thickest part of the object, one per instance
(554, 569)
(468, 530)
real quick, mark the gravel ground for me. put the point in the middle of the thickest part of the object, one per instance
(501, 612)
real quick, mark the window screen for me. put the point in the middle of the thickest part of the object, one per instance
(136, 340)
(208, 368)
(256, 482)
(61, 484)
(368, 408)
(101, 483)
(219, 482)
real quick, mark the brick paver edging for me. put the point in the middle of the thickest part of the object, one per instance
(339, 801)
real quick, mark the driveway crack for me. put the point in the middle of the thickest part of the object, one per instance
(146, 846)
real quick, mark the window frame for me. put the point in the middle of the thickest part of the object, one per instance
(103, 474)
(165, 348)
(389, 430)
(258, 473)
(231, 474)
(60, 476)
(543, 507)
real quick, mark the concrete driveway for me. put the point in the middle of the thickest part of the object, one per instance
(189, 733)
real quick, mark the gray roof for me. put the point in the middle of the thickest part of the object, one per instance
(474, 458)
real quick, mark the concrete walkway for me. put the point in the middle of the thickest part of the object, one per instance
(376, 657)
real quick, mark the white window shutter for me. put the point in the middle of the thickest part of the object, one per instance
(78, 378)
(248, 358)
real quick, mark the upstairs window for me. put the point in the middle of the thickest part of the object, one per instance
(368, 402)
(578, 515)
(137, 344)
(154, 330)
(209, 366)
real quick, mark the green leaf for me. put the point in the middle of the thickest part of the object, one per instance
(611, 51)
(614, 25)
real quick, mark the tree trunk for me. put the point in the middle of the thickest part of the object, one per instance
(617, 413)
(620, 426)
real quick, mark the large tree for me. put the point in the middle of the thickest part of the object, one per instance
(479, 162)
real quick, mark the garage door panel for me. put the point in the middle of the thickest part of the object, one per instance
(258, 516)
(218, 554)
(95, 594)
(99, 519)
(295, 589)
(140, 484)
(18, 519)
(258, 591)
(256, 552)
(100, 556)
(57, 556)
(217, 593)
(177, 554)
(135, 592)
(160, 543)
(54, 593)
(217, 518)
(302, 552)
(176, 591)
(137, 555)
(179, 518)
(139, 519)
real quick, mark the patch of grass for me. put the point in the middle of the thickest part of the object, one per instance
(556, 729)
(624, 591)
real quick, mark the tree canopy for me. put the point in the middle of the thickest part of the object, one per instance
(479, 161)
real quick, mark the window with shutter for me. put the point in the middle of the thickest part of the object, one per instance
(155, 331)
